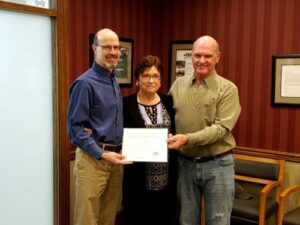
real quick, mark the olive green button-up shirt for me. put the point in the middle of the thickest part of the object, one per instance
(207, 113)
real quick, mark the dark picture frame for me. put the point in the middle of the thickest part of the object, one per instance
(286, 80)
(180, 59)
(123, 70)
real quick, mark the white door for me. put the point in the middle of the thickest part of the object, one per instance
(26, 119)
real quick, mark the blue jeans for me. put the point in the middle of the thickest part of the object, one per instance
(212, 180)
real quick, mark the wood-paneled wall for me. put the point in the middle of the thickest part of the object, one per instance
(135, 19)
(248, 31)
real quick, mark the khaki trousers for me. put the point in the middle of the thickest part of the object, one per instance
(98, 186)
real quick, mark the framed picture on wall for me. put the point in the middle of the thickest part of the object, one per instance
(286, 80)
(180, 59)
(123, 70)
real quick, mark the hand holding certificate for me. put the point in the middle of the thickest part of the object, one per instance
(145, 144)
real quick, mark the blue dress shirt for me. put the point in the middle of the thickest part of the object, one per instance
(95, 103)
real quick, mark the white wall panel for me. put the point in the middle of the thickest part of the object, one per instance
(26, 120)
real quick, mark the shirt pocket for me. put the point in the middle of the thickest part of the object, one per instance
(208, 107)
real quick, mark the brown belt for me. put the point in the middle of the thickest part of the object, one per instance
(110, 147)
(206, 158)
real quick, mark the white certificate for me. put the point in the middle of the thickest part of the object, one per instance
(145, 144)
(290, 81)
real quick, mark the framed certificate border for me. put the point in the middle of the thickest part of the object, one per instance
(177, 67)
(286, 80)
(124, 68)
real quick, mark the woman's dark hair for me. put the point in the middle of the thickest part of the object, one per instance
(146, 62)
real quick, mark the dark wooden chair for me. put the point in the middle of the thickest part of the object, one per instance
(292, 217)
(267, 176)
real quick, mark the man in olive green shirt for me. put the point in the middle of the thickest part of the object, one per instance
(207, 109)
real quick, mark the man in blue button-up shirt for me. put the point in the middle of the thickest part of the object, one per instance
(96, 106)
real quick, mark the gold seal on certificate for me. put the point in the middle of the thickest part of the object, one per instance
(145, 144)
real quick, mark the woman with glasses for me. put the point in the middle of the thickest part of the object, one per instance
(149, 188)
